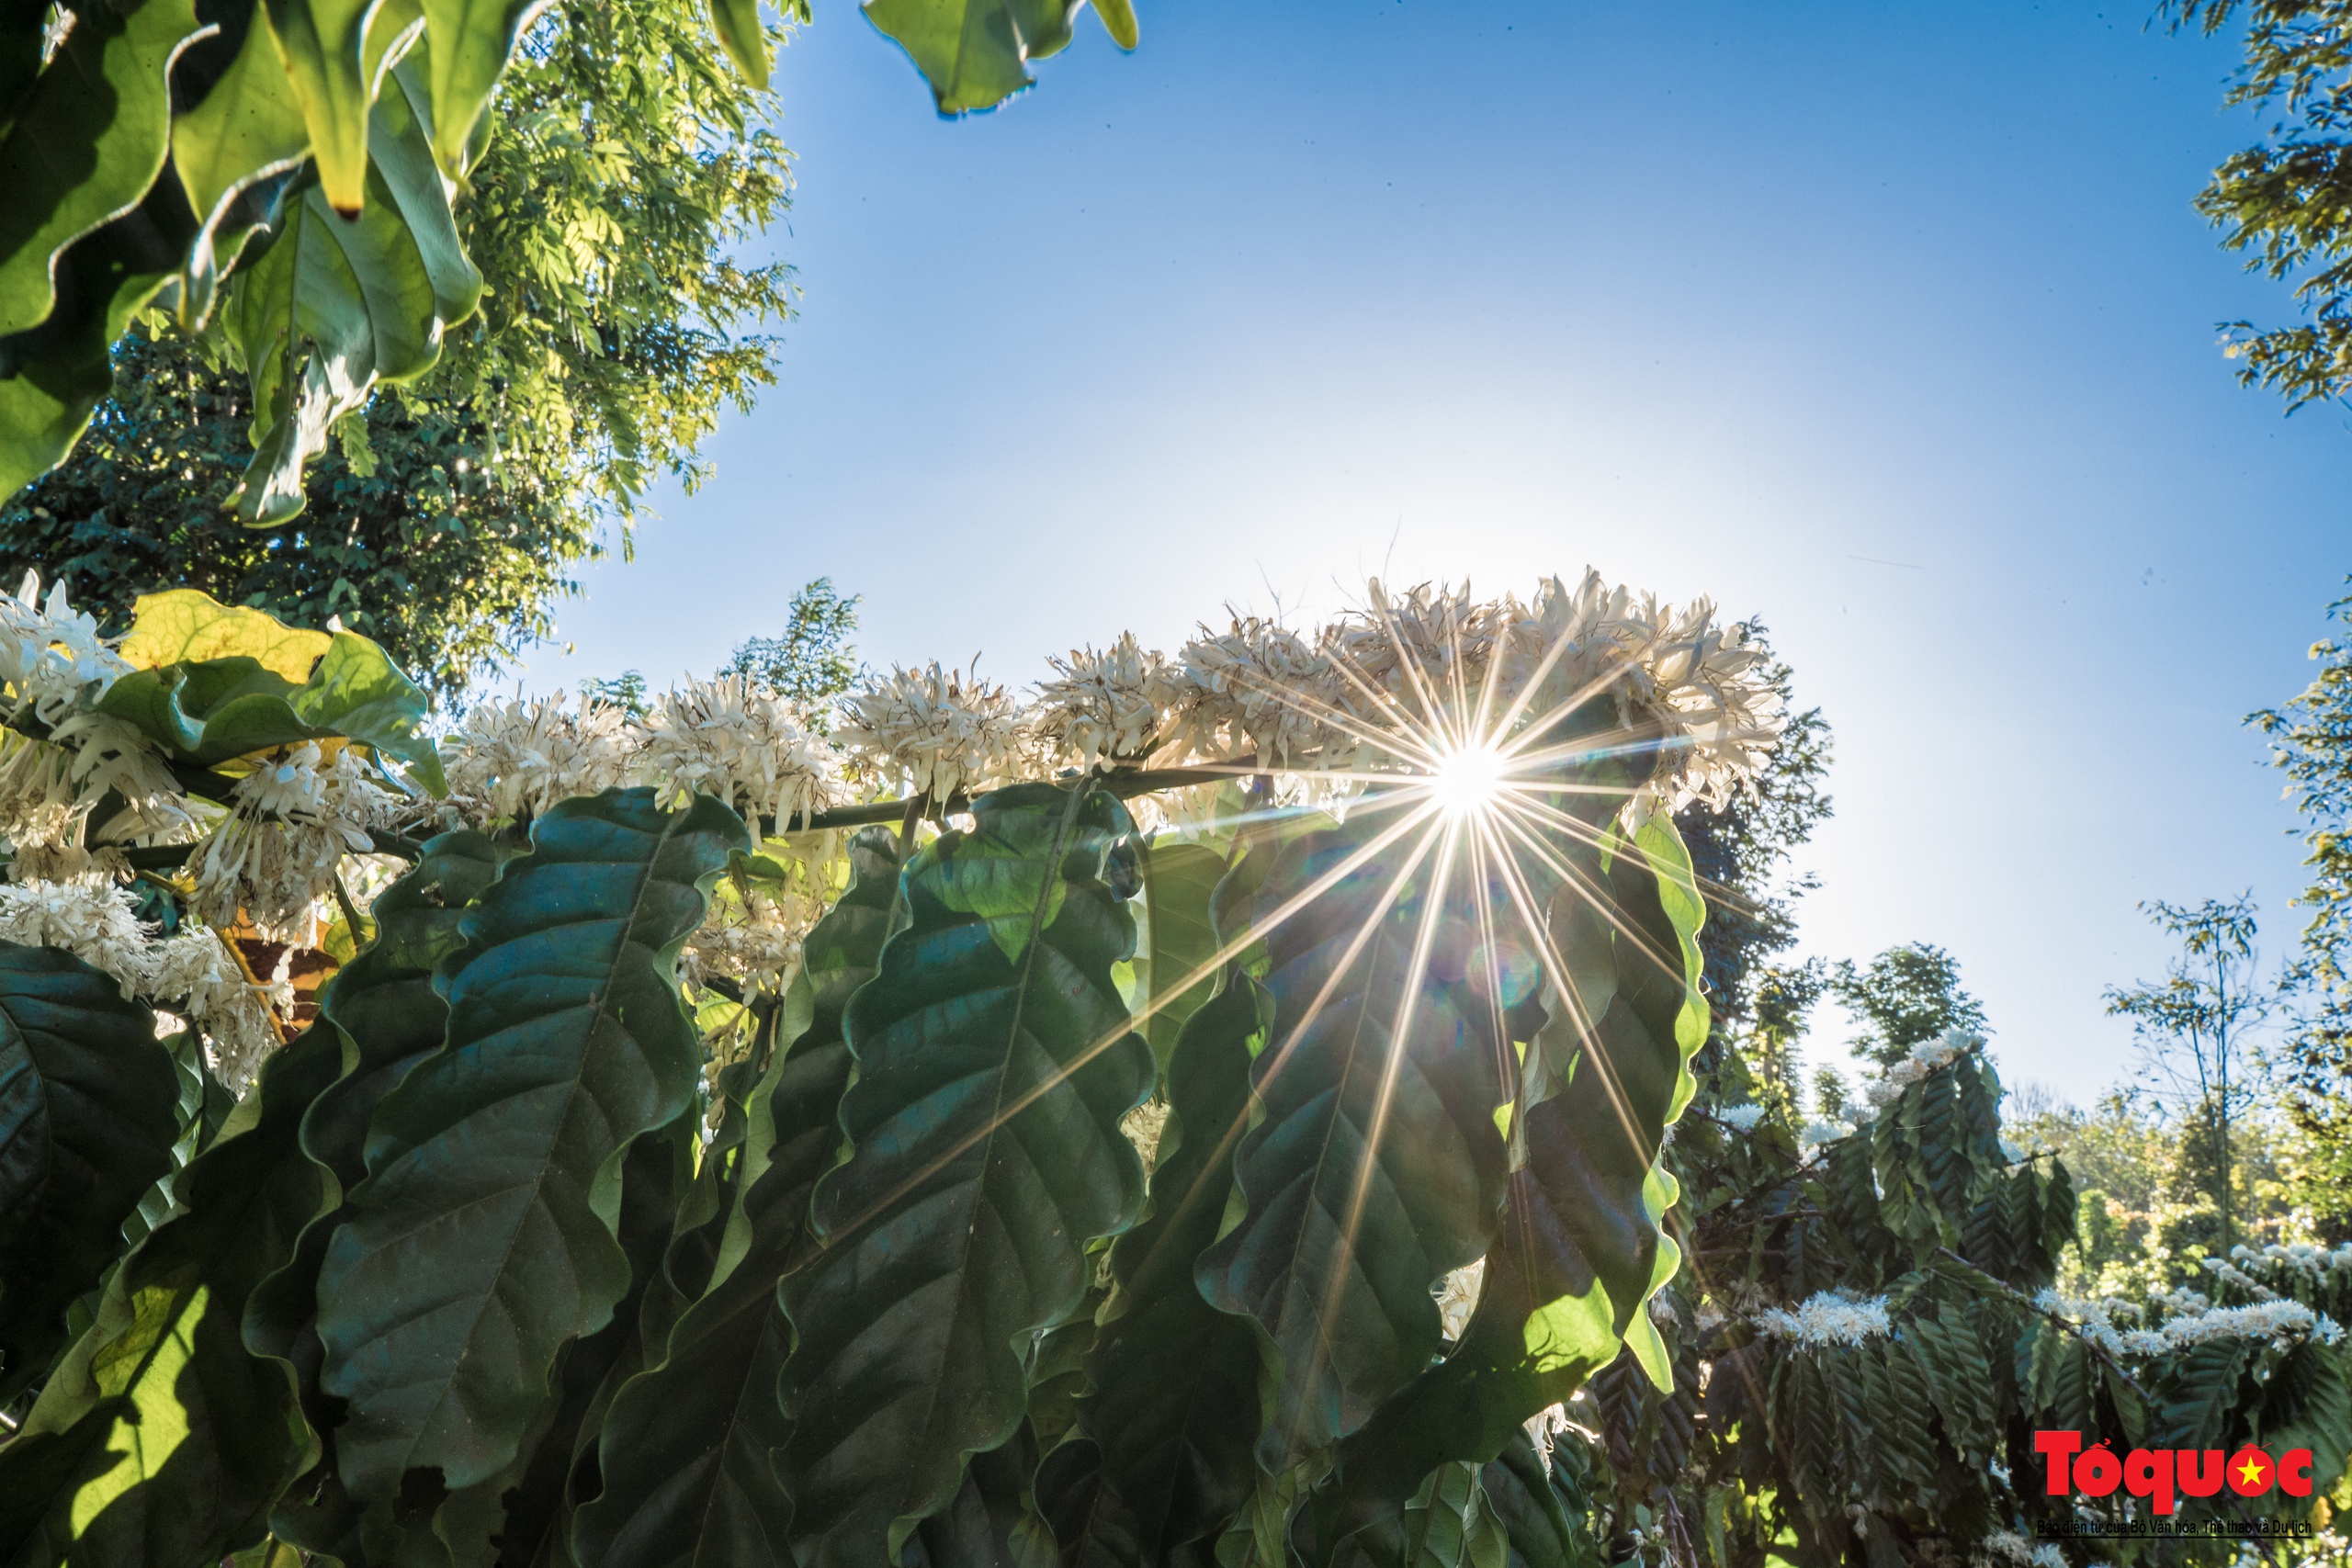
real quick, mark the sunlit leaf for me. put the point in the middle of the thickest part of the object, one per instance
(994, 1064)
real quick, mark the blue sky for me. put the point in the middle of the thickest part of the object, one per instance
(1886, 321)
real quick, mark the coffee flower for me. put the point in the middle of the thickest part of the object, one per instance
(512, 759)
(295, 819)
(1832, 1318)
(728, 737)
(938, 730)
(1109, 706)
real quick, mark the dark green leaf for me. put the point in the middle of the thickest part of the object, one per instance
(468, 41)
(87, 1099)
(994, 1065)
(684, 1452)
(159, 1440)
(1377, 1166)
(485, 1231)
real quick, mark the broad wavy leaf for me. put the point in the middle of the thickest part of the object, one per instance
(1179, 880)
(684, 1451)
(1377, 1166)
(160, 1441)
(994, 1063)
(485, 1234)
(89, 1103)
(204, 703)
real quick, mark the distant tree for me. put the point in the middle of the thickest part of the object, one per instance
(622, 178)
(2313, 736)
(1780, 1002)
(2283, 200)
(812, 663)
(2193, 1024)
(1741, 852)
(626, 691)
(1904, 995)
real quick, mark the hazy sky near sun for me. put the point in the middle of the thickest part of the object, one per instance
(1888, 322)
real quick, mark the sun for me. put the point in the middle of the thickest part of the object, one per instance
(1467, 780)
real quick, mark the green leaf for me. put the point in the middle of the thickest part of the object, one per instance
(159, 1440)
(1174, 1418)
(470, 42)
(988, 1154)
(684, 1452)
(334, 304)
(89, 1099)
(485, 1231)
(85, 144)
(1520, 1487)
(1178, 881)
(247, 128)
(1579, 1249)
(53, 376)
(974, 52)
(383, 1007)
(212, 708)
(1377, 1166)
(737, 22)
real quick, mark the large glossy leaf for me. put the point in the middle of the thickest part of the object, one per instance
(388, 1016)
(974, 52)
(994, 1064)
(1178, 881)
(85, 144)
(159, 1440)
(87, 1103)
(53, 376)
(278, 686)
(333, 304)
(1174, 1418)
(485, 1231)
(470, 42)
(685, 1450)
(321, 43)
(1377, 1166)
(1579, 1249)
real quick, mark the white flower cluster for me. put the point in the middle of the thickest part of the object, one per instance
(514, 759)
(2009, 1546)
(192, 971)
(54, 668)
(1832, 1318)
(297, 815)
(729, 738)
(1927, 1057)
(1743, 1117)
(1457, 1296)
(936, 730)
(1108, 707)
(2281, 1321)
(1816, 1133)
(2092, 1317)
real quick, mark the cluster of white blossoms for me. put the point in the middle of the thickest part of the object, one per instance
(1927, 1057)
(1106, 707)
(296, 816)
(509, 759)
(1457, 1296)
(2007, 1547)
(2187, 1318)
(54, 667)
(1743, 1117)
(1832, 1318)
(193, 972)
(731, 739)
(935, 732)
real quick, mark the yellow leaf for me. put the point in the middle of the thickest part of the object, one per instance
(188, 623)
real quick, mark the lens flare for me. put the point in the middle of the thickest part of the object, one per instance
(1466, 781)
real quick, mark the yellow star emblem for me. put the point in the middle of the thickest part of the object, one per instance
(2251, 1469)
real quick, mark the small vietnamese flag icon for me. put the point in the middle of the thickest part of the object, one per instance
(2253, 1470)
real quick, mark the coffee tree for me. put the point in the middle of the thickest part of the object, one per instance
(1007, 1129)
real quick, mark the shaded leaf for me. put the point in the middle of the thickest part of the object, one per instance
(994, 1064)
(684, 1451)
(485, 1231)
(89, 1099)
(974, 52)
(1178, 881)
(159, 1440)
